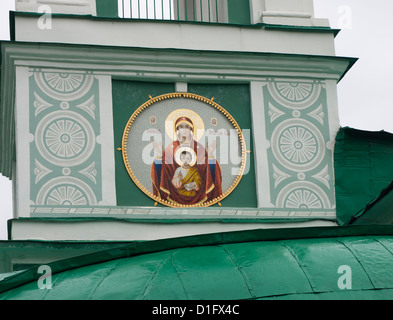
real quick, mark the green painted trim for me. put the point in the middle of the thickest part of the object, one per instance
(379, 210)
(239, 12)
(2, 80)
(182, 220)
(12, 25)
(9, 228)
(139, 248)
(7, 100)
(105, 6)
(66, 244)
(350, 60)
(301, 28)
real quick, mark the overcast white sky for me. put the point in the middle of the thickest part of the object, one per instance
(364, 94)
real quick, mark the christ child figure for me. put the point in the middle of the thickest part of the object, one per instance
(186, 179)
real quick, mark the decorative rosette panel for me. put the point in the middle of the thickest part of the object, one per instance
(297, 128)
(64, 124)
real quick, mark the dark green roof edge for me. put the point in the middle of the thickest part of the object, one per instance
(144, 247)
(267, 53)
(7, 128)
(301, 28)
(351, 60)
(254, 26)
(379, 211)
(364, 134)
(1, 113)
(173, 220)
(12, 25)
(57, 244)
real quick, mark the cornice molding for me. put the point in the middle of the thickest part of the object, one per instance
(150, 64)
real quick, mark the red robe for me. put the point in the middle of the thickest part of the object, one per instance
(163, 188)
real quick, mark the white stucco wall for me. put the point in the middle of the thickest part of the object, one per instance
(285, 12)
(57, 6)
(123, 230)
(149, 34)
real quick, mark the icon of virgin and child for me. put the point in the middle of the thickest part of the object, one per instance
(185, 172)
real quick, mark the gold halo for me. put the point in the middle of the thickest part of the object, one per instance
(199, 126)
(188, 149)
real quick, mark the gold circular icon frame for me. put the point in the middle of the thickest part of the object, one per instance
(213, 104)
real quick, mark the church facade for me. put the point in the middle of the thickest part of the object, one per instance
(179, 124)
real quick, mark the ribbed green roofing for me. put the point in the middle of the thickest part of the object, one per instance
(227, 266)
(363, 173)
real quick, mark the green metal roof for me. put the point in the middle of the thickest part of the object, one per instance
(379, 211)
(259, 264)
(363, 169)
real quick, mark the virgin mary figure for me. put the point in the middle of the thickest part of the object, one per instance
(164, 171)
